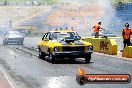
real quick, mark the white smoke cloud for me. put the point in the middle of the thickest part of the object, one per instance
(89, 13)
(107, 10)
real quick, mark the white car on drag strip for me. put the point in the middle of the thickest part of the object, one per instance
(14, 37)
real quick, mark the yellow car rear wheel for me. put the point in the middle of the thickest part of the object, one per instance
(51, 58)
(41, 55)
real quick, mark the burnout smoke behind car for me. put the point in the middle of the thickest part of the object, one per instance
(82, 15)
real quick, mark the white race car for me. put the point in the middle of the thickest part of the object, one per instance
(13, 37)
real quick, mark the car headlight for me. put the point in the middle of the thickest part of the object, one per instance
(56, 49)
(90, 47)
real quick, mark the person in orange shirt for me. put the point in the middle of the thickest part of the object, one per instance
(126, 33)
(96, 29)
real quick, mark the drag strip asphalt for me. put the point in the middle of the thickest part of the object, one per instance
(37, 73)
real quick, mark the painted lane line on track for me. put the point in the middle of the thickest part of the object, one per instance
(8, 78)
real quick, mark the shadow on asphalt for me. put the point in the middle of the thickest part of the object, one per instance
(68, 61)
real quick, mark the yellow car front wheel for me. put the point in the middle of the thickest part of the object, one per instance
(51, 58)
(87, 58)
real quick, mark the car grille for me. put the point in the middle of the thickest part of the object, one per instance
(77, 48)
(14, 38)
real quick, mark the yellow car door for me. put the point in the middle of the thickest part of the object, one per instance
(44, 47)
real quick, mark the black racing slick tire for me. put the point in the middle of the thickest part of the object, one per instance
(3, 43)
(51, 58)
(41, 55)
(21, 43)
(87, 58)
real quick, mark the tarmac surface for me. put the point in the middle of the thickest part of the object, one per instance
(27, 71)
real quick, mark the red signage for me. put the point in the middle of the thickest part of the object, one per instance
(83, 78)
(103, 78)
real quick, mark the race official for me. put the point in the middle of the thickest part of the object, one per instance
(96, 29)
(126, 33)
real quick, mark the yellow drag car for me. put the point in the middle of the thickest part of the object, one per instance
(64, 44)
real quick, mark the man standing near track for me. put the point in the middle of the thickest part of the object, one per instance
(126, 33)
(96, 29)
